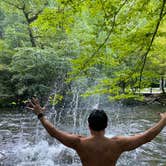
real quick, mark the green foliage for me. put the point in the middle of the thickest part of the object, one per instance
(55, 99)
(35, 70)
(117, 47)
(117, 44)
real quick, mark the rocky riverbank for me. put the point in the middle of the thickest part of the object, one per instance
(146, 100)
(155, 99)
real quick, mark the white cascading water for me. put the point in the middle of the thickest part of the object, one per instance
(48, 152)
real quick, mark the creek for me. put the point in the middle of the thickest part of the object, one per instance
(24, 142)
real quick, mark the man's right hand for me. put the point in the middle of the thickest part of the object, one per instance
(163, 116)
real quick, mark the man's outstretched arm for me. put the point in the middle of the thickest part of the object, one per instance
(67, 139)
(133, 142)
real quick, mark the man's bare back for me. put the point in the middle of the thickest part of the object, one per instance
(98, 150)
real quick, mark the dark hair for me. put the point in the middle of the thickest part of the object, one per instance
(97, 120)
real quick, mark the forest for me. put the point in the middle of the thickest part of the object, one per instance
(118, 44)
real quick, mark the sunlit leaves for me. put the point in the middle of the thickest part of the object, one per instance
(104, 40)
(134, 28)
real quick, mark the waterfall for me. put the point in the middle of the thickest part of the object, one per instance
(74, 106)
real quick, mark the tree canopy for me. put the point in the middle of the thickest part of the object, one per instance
(118, 43)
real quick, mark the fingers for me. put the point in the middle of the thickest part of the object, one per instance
(30, 108)
(162, 115)
(159, 114)
(35, 100)
(34, 105)
(31, 104)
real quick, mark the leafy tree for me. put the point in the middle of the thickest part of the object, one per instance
(116, 44)
(30, 11)
(35, 70)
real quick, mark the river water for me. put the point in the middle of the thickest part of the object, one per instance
(24, 142)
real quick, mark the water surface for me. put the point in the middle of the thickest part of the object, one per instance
(24, 142)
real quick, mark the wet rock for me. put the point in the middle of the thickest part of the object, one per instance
(156, 99)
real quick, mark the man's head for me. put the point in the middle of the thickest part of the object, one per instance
(97, 120)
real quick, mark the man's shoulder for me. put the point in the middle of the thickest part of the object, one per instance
(82, 138)
(115, 138)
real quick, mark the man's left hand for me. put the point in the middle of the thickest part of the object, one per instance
(34, 105)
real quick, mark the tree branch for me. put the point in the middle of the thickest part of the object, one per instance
(37, 14)
(151, 42)
(33, 18)
(108, 36)
(29, 19)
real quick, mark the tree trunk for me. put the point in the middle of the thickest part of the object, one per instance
(162, 84)
(32, 39)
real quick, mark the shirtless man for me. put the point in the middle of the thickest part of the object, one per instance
(96, 149)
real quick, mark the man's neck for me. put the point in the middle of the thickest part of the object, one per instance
(97, 133)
